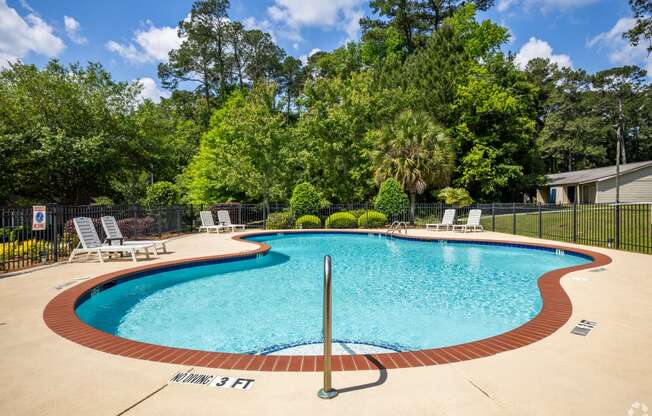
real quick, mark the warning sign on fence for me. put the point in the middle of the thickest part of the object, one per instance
(38, 217)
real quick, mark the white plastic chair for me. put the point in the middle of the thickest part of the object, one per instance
(225, 219)
(113, 233)
(447, 221)
(472, 222)
(208, 224)
(89, 243)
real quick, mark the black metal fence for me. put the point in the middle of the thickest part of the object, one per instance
(21, 246)
(625, 227)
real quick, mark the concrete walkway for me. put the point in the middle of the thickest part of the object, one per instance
(601, 374)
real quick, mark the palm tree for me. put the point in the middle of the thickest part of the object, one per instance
(416, 152)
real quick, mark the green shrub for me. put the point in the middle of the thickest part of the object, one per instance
(455, 196)
(341, 220)
(358, 212)
(372, 219)
(279, 221)
(429, 219)
(161, 193)
(391, 199)
(308, 221)
(102, 200)
(305, 199)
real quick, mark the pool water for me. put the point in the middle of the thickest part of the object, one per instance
(387, 292)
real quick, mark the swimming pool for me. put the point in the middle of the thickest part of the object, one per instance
(398, 294)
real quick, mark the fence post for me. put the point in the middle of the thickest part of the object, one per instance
(513, 217)
(493, 216)
(574, 222)
(178, 210)
(617, 225)
(55, 235)
(192, 218)
(540, 228)
(160, 218)
(135, 231)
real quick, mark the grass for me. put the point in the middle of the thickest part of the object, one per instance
(595, 225)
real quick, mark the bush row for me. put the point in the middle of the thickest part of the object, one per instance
(339, 220)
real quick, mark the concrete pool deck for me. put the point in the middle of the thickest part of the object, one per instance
(603, 373)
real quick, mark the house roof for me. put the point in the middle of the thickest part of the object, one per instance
(592, 175)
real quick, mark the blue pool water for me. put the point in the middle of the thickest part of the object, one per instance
(399, 294)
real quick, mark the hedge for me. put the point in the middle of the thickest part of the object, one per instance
(308, 221)
(372, 219)
(341, 220)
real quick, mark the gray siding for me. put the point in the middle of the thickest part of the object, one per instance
(634, 187)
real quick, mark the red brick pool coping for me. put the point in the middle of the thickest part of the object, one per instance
(59, 315)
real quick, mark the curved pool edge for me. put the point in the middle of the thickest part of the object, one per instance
(59, 315)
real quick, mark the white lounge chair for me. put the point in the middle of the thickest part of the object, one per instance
(472, 222)
(447, 221)
(225, 219)
(208, 224)
(114, 236)
(89, 243)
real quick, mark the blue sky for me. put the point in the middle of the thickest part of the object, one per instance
(130, 37)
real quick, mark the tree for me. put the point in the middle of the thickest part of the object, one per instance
(414, 20)
(434, 12)
(330, 147)
(402, 15)
(495, 131)
(455, 196)
(243, 155)
(203, 57)
(414, 151)
(161, 193)
(49, 154)
(573, 135)
(642, 30)
(291, 80)
(255, 55)
(619, 88)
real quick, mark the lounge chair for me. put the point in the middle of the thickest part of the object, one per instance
(114, 236)
(89, 243)
(447, 221)
(472, 222)
(225, 219)
(208, 224)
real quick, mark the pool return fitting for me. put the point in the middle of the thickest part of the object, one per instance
(328, 392)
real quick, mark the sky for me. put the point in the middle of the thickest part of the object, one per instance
(130, 38)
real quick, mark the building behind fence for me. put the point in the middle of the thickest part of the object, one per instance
(626, 227)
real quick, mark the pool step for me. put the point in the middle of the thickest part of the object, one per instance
(339, 348)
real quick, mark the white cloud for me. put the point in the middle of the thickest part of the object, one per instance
(26, 6)
(251, 23)
(19, 36)
(151, 44)
(620, 51)
(304, 58)
(72, 30)
(543, 5)
(333, 14)
(537, 48)
(151, 91)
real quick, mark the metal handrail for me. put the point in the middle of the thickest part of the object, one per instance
(328, 392)
(396, 226)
